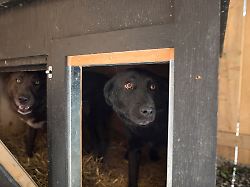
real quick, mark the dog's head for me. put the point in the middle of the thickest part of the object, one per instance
(137, 96)
(26, 90)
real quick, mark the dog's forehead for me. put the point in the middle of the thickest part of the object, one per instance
(134, 75)
(25, 75)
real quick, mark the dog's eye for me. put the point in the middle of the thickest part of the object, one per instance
(129, 85)
(18, 81)
(37, 83)
(152, 87)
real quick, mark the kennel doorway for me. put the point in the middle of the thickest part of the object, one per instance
(16, 169)
(75, 64)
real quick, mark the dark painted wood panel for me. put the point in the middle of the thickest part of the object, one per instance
(36, 60)
(115, 41)
(28, 30)
(58, 114)
(6, 4)
(195, 104)
(24, 31)
(74, 18)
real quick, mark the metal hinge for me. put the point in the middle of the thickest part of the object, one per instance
(49, 72)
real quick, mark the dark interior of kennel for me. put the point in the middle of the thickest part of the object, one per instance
(114, 171)
(191, 27)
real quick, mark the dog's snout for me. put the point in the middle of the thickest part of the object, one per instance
(23, 99)
(147, 111)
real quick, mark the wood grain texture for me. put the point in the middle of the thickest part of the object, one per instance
(34, 29)
(245, 88)
(227, 152)
(195, 108)
(124, 40)
(234, 92)
(8, 161)
(193, 30)
(29, 30)
(230, 70)
(230, 140)
(126, 57)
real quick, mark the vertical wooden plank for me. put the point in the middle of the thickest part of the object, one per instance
(195, 102)
(58, 118)
(234, 91)
(245, 88)
(230, 69)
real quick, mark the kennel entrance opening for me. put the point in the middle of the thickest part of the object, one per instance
(15, 167)
(74, 98)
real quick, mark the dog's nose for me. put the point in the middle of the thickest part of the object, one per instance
(147, 111)
(23, 99)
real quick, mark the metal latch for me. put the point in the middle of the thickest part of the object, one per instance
(49, 72)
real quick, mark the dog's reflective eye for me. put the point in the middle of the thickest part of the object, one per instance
(37, 83)
(129, 85)
(18, 81)
(152, 87)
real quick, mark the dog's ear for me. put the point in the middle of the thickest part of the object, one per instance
(5, 76)
(109, 92)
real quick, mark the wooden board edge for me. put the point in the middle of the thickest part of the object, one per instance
(125, 57)
(227, 153)
(9, 162)
(229, 139)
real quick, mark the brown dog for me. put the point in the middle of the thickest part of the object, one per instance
(27, 95)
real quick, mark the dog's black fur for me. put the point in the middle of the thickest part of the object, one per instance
(95, 113)
(27, 95)
(140, 98)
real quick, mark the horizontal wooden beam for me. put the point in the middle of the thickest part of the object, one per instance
(8, 161)
(229, 139)
(228, 152)
(126, 57)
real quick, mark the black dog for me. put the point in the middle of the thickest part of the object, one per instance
(95, 113)
(140, 99)
(27, 94)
